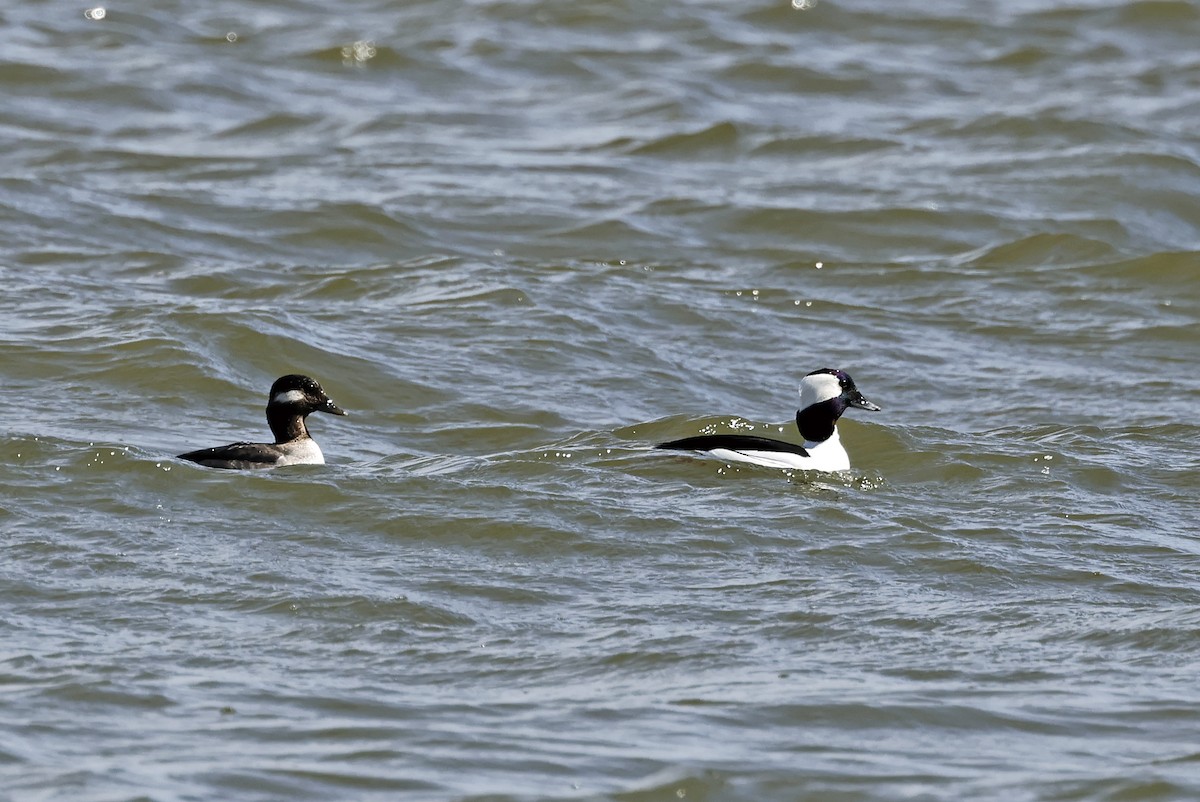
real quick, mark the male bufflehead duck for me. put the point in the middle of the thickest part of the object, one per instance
(292, 398)
(824, 395)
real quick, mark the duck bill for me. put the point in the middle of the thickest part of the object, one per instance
(332, 408)
(857, 400)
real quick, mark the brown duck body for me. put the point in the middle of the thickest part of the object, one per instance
(293, 398)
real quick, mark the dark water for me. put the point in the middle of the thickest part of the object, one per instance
(519, 242)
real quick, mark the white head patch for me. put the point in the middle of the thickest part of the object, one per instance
(817, 388)
(290, 397)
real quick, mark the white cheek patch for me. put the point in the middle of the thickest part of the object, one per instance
(815, 389)
(290, 397)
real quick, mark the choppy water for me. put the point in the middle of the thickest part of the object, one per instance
(519, 241)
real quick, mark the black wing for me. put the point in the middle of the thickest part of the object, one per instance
(733, 442)
(235, 455)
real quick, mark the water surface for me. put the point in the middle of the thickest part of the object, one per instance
(521, 242)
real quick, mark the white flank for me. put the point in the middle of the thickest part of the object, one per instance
(828, 455)
(304, 452)
(767, 459)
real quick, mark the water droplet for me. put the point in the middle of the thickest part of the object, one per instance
(231, 37)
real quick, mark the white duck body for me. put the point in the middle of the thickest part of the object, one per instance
(824, 395)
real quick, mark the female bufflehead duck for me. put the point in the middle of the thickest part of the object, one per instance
(824, 395)
(292, 399)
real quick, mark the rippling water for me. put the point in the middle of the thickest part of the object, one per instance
(521, 241)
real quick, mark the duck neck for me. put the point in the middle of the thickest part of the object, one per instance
(818, 422)
(286, 426)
